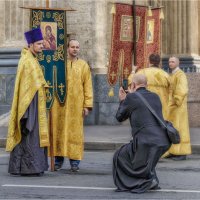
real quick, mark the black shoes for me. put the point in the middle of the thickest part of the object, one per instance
(74, 168)
(176, 157)
(59, 160)
(154, 185)
(57, 167)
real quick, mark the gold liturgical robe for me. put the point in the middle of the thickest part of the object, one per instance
(157, 82)
(68, 133)
(29, 81)
(178, 113)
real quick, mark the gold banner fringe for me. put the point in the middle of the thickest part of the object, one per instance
(113, 9)
(111, 92)
(149, 12)
(162, 14)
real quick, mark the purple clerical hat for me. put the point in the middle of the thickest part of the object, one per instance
(33, 35)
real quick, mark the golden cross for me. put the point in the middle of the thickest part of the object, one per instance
(61, 86)
(47, 3)
(113, 75)
(126, 72)
(48, 95)
(49, 84)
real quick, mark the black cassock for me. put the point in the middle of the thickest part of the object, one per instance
(28, 157)
(134, 163)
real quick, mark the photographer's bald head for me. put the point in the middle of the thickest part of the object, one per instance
(138, 81)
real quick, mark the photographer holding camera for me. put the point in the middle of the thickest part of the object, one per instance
(134, 163)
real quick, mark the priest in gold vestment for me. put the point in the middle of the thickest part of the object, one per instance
(178, 113)
(69, 142)
(28, 126)
(157, 81)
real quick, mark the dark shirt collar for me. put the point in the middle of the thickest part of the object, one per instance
(141, 88)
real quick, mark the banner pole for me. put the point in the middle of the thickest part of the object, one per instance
(51, 140)
(161, 40)
(134, 35)
(51, 126)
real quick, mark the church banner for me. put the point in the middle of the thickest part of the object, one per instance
(148, 39)
(153, 33)
(121, 52)
(53, 58)
(141, 13)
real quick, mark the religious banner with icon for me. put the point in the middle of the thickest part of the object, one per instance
(153, 44)
(53, 58)
(121, 52)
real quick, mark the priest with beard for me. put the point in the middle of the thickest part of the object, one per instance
(28, 126)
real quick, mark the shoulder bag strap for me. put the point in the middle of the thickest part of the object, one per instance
(150, 108)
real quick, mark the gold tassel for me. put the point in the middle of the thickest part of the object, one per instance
(113, 9)
(149, 11)
(162, 14)
(111, 92)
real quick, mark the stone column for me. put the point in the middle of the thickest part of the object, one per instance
(15, 20)
(184, 27)
(100, 43)
(180, 27)
(199, 20)
(2, 20)
(192, 27)
(181, 32)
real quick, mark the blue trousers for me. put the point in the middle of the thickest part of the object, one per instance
(60, 159)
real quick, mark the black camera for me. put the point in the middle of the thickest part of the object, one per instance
(125, 84)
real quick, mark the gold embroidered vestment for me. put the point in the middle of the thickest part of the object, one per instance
(29, 80)
(67, 121)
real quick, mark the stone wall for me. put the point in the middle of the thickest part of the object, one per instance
(194, 99)
(8, 62)
(181, 28)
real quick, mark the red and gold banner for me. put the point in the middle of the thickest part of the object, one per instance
(122, 43)
(120, 63)
(141, 14)
(148, 31)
